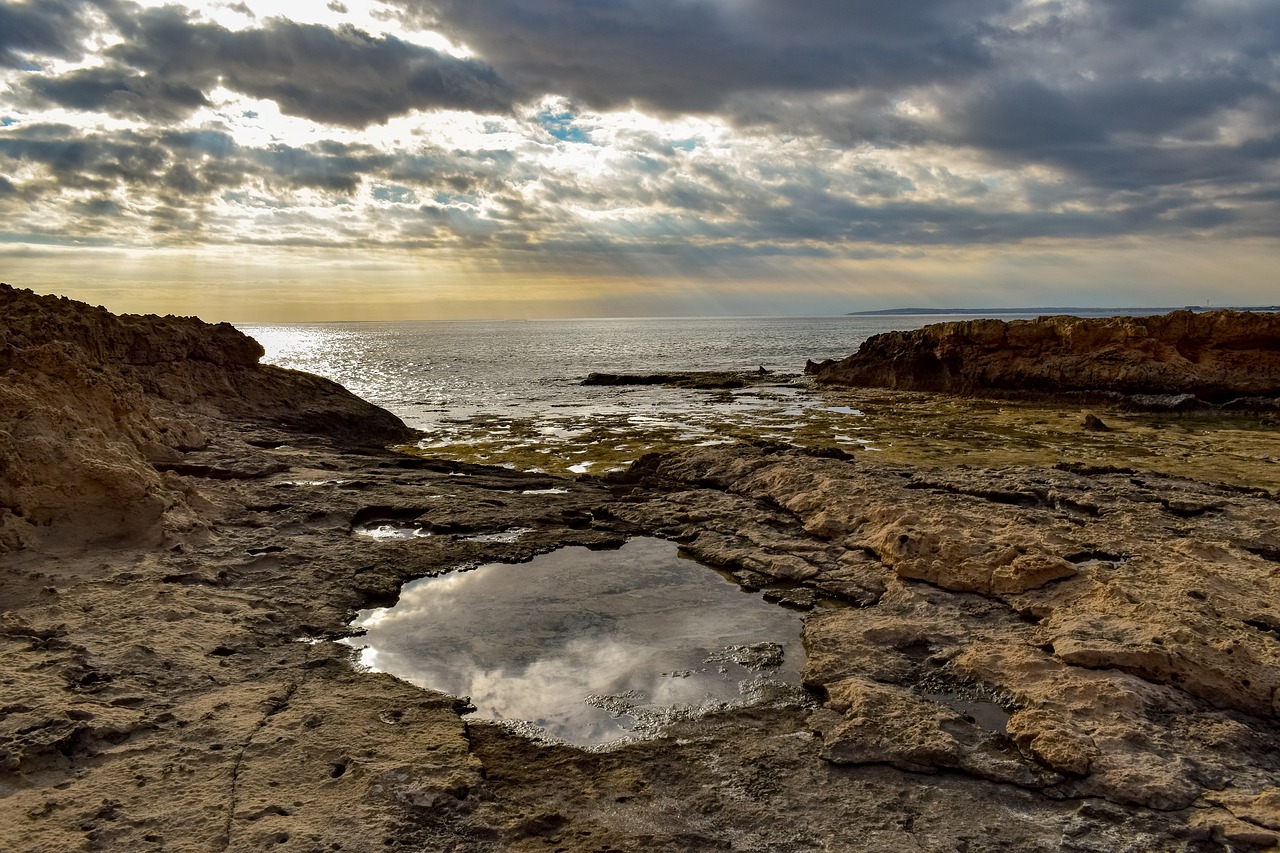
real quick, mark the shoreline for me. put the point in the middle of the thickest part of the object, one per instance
(1124, 622)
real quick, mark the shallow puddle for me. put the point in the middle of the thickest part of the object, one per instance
(390, 530)
(588, 647)
(986, 715)
(512, 535)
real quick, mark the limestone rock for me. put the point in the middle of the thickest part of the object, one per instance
(1094, 651)
(91, 403)
(1019, 658)
(1216, 356)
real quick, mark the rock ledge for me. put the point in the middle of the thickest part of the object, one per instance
(93, 404)
(1216, 356)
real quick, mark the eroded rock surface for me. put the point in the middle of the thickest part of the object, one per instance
(1215, 356)
(1085, 634)
(1076, 658)
(94, 408)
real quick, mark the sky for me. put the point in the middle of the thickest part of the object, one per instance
(450, 159)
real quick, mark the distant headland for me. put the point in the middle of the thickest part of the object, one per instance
(1106, 312)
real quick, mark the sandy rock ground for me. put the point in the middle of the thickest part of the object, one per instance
(191, 697)
(1075, 658)
(1028, 659)
(1081, 633)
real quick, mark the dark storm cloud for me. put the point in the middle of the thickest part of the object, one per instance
(1093, 88)
(169, 63)
(1122, 135)
(193, 164)
(68, 159)
(197, 165)
(1023, 116)
(119, 93)
(691, 55)
(1141, 14)
(40, 29)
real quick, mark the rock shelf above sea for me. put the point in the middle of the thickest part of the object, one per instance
(1076, 657)
(1216, 356)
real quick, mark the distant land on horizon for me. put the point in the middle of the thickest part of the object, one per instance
(1136, 312)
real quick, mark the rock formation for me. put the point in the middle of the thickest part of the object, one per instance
(705, 380)
(1065, 658)
(1216, 356)
(94, 407)
(1085, 633)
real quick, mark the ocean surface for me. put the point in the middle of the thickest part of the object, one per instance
(510, 393)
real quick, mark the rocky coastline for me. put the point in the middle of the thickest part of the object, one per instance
(709, 380)
(1069, 657)
(1181, 359)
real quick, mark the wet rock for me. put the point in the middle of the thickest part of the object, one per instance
(750, 580)
(802, 599)
(753, 656)
(1092, 423)
(1163, 402)
(707, 380)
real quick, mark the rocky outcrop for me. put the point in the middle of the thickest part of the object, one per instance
(1075, 658)
(1216, 356)
(704, 380)
(1086, 633)
(93, 407)
(709, 380)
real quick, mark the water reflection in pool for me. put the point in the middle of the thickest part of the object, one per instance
(589, 646)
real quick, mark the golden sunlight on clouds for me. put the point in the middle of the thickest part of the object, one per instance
(495, 158)
(278, 286)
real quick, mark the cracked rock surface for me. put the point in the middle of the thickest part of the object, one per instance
(1083, 634)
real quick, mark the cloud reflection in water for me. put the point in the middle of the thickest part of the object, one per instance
(533, 641)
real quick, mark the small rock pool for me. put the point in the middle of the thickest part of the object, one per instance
(588, 647)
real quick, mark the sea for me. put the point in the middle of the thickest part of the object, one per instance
(510, 393)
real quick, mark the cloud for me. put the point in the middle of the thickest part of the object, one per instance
(119, 93)
(41, 29)
(1119, 95)
(692, 134)
(693, 55)
(623, 196)
(1143, 14)
(170, 62)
